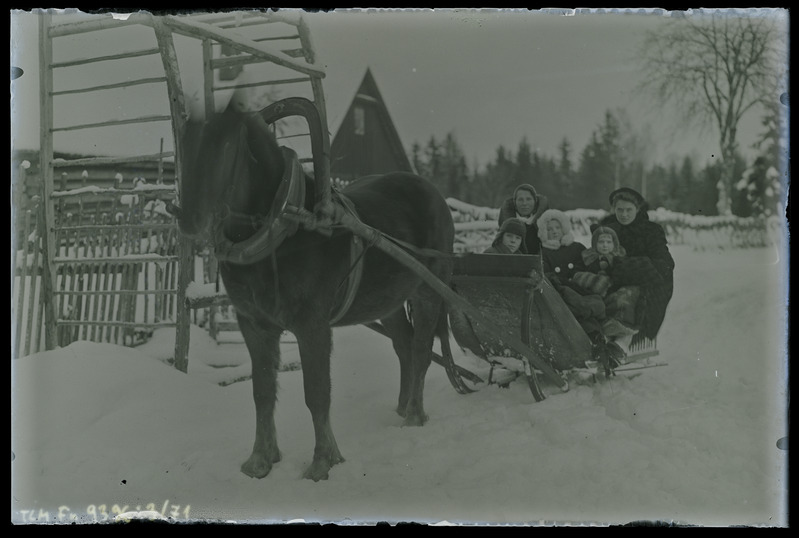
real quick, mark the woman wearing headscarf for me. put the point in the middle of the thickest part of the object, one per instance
(526, 205)
(648, 262)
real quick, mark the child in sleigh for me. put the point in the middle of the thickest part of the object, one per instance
(603, 305)
(605, 255)
(509, 238)
(562, 259)
(620, 276)
(580, 276)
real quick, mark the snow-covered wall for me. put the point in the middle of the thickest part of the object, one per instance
(475, 228)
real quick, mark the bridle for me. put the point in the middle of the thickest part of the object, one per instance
(272, 229)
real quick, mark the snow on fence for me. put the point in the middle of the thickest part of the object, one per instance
(476, 227)
(115, 266)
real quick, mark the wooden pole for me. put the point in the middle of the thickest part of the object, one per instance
(177, 108)
(159, 180)
(46, 173)
(17, 196)
(238, 43)
(209, 102)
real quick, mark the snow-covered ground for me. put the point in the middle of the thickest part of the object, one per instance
(99, 429)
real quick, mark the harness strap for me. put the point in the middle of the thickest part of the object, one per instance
(353, 278)
(272, 230)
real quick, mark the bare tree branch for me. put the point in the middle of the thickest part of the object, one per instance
(714, 68)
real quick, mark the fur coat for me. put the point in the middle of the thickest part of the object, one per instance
(648, 264)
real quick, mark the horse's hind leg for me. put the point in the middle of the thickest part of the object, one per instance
(314, 341)
(263, 344)
(400, 331)
(425, 313)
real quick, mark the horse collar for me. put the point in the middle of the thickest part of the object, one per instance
(273, 229)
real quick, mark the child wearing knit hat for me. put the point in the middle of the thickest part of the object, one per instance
(605, 246)
(620, 303)
(509, 239)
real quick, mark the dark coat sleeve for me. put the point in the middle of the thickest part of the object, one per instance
(546, 261)
(658, 251)
(656, 297)
(635, 271)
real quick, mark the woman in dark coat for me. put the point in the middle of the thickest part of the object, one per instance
(526, 205)
(649, 262)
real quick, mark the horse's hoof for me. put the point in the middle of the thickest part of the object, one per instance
(319, 468)
(258, 466)
(255, 470)
(316, 473)
(415, 419)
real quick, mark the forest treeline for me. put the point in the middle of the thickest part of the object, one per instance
(616, 155)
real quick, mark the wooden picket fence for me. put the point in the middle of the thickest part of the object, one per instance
(26, 292)
(116, 266)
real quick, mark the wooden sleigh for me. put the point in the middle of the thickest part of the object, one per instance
(510, 291)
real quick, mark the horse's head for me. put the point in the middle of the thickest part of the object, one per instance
(230, 164)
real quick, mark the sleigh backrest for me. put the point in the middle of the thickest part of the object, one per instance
(499, 265)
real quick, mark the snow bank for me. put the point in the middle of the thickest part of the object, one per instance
(101, 430)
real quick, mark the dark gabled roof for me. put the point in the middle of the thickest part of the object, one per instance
(369, 93)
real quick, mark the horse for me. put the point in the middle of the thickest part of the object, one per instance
(232, 176)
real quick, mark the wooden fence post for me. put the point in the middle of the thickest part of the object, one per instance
(46, 175)
(177, 109)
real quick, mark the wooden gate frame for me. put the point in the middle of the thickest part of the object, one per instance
(209, 28)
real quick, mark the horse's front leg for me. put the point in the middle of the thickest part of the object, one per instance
(263, 343)
(314, 341)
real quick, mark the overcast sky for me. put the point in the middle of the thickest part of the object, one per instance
(490, 77)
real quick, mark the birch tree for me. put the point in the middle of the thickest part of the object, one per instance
(716, 67)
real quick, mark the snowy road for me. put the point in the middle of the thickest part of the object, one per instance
(98, 429)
